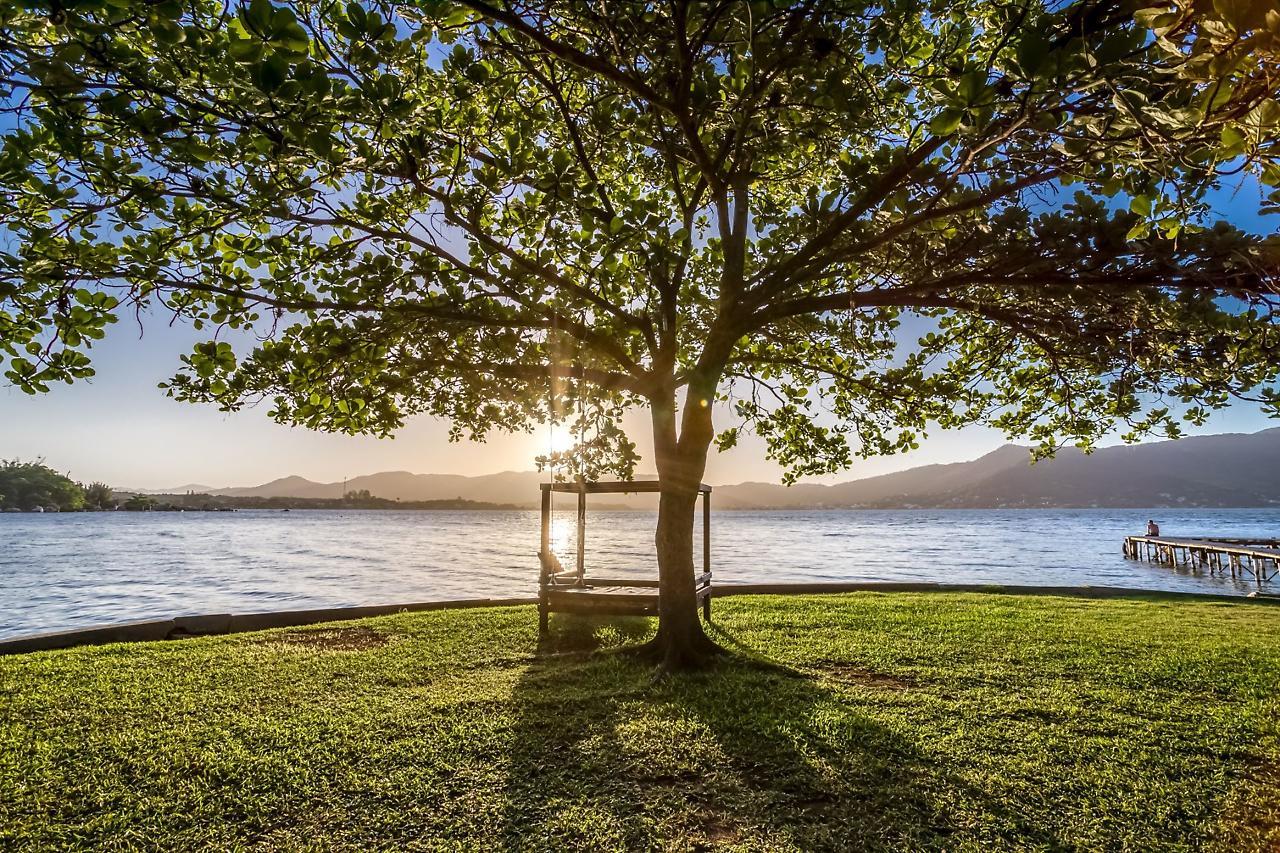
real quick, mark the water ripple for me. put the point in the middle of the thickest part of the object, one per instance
(66, 570)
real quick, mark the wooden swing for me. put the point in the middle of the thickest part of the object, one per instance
(574, 591)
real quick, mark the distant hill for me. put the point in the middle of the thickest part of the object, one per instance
(507, 487)
(1241, 470)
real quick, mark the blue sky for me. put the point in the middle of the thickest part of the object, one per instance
(121, 429)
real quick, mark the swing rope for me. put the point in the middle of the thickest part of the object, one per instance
(552, 344)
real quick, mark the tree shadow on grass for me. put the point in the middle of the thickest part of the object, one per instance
(573, 634)
(602, 757)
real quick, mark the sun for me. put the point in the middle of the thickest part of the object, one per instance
(562, 439)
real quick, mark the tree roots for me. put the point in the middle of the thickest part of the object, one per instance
(680, 654)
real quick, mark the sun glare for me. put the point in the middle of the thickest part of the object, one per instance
(562, 440)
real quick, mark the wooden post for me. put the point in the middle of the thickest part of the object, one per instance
(706, 551)
(546, 521)
(544, 555)
(582, 534)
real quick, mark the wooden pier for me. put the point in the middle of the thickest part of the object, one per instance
(572, 590)
(1258, 559)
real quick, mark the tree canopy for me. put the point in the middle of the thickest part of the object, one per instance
(98, 495)
(898, 214)
(27, 485)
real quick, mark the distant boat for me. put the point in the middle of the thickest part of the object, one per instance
(37, 509)
(52, 508)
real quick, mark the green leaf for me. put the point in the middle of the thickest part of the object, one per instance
(973, 89)
(1155, 18)
(167, 32)
(459, 16)
(1264, 116)
(1140, 231)
(271, 73)
(1242, 15)
(246, 50)
(947, 121)
(1033, 49)
(1233, 142)
(282, 19)
(357, 15)
(258, 16)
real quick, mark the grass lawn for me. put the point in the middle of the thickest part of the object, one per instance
(909, 721)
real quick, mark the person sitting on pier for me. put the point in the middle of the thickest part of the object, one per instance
(1153, 529)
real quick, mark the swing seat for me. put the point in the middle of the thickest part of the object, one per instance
(563, 590)
(613, 596)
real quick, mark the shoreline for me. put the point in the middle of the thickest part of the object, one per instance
(217, 624)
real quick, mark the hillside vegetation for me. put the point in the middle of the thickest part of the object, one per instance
(959, 722)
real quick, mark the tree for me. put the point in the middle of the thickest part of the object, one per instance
(140, 503)
(99, 496)
(847, 222)
(27, 485)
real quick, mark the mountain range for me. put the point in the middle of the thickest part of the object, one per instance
(1228, 470)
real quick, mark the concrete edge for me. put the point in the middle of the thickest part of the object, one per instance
(830, 588)
(226, 623)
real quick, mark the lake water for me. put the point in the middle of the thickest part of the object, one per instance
(68, 570)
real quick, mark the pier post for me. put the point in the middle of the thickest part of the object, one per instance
(582, 535)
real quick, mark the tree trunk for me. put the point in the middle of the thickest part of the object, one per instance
(680, 643)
